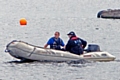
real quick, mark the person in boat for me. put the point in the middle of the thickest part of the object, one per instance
(55, 42)
(75, 44)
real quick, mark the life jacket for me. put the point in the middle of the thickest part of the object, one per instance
(76, 47)
(56, 43)
(77, 41)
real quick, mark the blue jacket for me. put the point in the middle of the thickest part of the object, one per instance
(55, 43)
(76, 45)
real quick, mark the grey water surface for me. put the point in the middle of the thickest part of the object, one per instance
(44, 17)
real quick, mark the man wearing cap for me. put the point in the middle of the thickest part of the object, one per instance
(75, 45)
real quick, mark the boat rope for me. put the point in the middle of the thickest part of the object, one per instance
(32, 52)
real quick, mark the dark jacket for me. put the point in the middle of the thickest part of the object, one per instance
(76, 45)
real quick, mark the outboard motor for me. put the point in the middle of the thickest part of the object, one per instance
(93, 48)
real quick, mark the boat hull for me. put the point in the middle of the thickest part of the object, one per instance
(23, 50)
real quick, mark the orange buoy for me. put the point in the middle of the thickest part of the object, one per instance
(23, 21)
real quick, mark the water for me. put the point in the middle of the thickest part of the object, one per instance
(44, 18)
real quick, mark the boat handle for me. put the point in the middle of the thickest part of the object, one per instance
(7, 50)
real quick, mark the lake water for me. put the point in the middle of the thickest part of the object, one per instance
(44, 18)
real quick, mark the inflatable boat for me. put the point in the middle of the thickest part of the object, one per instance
(22, 50)
(109, 14)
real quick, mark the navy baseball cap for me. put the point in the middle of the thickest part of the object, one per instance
(71, 33)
